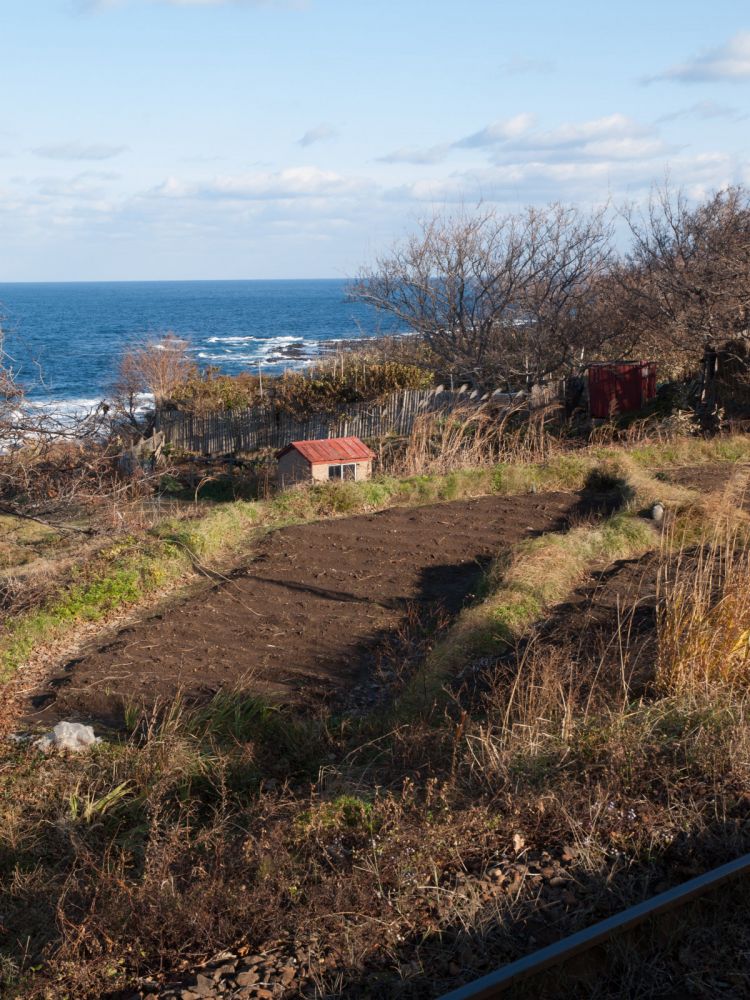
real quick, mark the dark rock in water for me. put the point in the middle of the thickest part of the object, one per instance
(289, 352)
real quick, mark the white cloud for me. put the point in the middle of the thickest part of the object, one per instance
(299, 220)
(536, 181)
(87, 185)
(321, 133)
(613, 136)
(500, 131)
(730, 61)
(706, 111)
(293, 182)
(78, 151)
(596, 129)
(412, 154)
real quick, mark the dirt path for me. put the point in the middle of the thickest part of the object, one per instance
(304, 618)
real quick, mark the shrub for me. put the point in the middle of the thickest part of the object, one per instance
(324, 389)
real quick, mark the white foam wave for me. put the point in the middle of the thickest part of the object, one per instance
(360, 338)
(79, 408)
(266, 341)
(269, 351)
(234, 340)
(73, 406)
(251, 359)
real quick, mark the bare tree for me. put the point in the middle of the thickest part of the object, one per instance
(494, 295)
(558, 326)
(156, 367)
(687, 279)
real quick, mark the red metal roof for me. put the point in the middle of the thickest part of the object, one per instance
(348, 449)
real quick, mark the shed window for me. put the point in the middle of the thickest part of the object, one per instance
(348, 471)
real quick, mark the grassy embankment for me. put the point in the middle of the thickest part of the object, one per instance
(136, 568)
(417, 849)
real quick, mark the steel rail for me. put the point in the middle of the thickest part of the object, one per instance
(497, 982)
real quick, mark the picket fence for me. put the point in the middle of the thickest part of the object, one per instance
(250, 430)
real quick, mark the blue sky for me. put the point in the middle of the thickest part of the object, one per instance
(298, 138)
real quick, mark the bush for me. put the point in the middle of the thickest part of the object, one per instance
(325, 389)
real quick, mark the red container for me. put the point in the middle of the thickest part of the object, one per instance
(620, 387)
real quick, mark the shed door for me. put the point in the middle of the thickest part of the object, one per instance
(628, 389)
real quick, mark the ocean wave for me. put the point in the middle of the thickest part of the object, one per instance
(248, 339)
(288, 351)
(359, 338)
(252, 359)
(66, 405)
(233, 340)
(265, 341)
(79, 408)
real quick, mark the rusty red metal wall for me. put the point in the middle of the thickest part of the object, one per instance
(620, 387)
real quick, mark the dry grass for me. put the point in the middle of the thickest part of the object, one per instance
(472, 437)
(704, 616)
(172, 846)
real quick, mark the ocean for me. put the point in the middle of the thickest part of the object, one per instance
(65, 340)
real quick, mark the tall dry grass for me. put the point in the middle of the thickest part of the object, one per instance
(471, 437)
(529, 717)
(703, 626)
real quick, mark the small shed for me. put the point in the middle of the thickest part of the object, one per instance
(620, 387)
(345, 458)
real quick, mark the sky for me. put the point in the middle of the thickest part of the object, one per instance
(224, 139)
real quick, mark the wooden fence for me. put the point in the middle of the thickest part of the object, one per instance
(250, 430)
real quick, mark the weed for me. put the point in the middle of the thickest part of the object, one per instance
(134, 569)
(85, 807)
(218, 826)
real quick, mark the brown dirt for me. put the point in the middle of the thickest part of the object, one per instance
(302, 621)
(613, 610)
(704, 478)
(727, 481)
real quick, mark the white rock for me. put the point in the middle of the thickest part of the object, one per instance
(657, 513)
(68, 736)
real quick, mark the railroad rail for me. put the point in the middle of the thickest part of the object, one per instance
(497, 982)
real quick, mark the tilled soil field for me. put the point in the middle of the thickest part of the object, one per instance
(614, 610)
(303, 620)
(715, 478)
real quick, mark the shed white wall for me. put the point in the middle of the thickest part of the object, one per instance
(320, 470)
